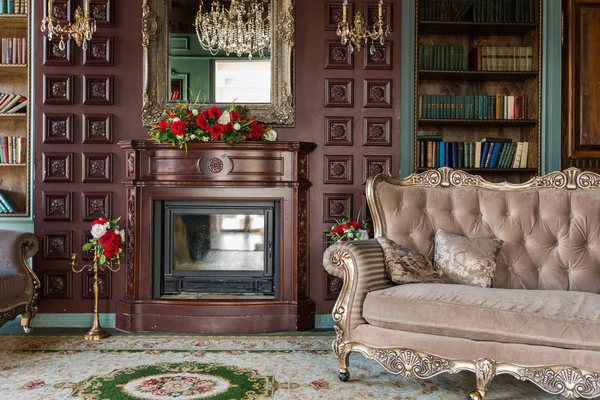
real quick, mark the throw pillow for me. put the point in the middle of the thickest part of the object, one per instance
(405, 266)
(464, 260)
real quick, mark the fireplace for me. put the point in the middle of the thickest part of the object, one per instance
(216, 238)
(208, 249)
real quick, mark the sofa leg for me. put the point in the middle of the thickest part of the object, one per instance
(485, 372)
(344, 362)
(27, 318)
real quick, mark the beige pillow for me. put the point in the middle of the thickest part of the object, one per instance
(404, 266)
(464, 260)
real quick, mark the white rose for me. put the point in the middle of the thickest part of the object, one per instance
(225, 118)
(98, 231)
(363, 234)
(192, 136)
(270, 135)
(195, 112)
(122, 233)
(237, 126)
(205, 138)
(107, 225)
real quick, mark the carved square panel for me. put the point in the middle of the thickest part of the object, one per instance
(104, 290)
(97, 205)
(58, 128)
(63, 10)
(377, 131)
(97, 167)
(97, 128)
(339, 93)
(58, 89)
(338, 169)
(377, 93)
(56, 284)
(336, 206)
(53, 55)
(381, 57)
(337, 55)
(99, 52)
(103, 12)
(373, 165)
(339, 131)
(97, 89)
(334, 12)
(372, 14)
(58, 245)
(58, 167)
(86, 236)
(58, 206)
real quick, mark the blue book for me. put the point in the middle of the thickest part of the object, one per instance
(7, 202)
(11, 7)
(496, 154)
(3, 6)
(454, 154)
(485, 148)
(443, 154)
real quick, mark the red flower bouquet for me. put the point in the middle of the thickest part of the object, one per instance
(106, 240)
(185, 123)
(349, 229)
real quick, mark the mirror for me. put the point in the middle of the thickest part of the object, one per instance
(177, 68)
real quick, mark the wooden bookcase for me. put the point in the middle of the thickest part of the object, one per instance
(494, 24)
(16, 78)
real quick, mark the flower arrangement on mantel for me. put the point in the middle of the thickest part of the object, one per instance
(349, 229)
(185, 123)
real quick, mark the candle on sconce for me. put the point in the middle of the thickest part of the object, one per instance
(380, 9)
(344, 10)
(87, 8)
(50, 7)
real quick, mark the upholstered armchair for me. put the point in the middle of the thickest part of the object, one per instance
(19, 286)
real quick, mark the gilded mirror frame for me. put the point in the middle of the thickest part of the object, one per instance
(155, 41)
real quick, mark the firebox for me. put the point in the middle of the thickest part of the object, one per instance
(216, 249)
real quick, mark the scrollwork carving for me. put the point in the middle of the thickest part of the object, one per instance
(285, 29)
(485, 371)
(149, 25)
(565, 381)
(410, 364)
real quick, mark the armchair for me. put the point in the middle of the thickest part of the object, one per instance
(19, 285)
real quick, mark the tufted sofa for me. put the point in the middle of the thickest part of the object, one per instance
(19, 286)
(540, 321)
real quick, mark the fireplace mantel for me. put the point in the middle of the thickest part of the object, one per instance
(217, 171)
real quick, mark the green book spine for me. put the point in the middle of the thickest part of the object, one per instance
(420, 57)
(6, 205)
(453, 107)
(3, 6)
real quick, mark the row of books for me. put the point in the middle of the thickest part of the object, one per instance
(488, 153)
(7, 205)
(499, 58)
(14, 6)
(449, 58)
(478, 10)
(473, 107)
(13, 50)
(13, 150)
(11, 103)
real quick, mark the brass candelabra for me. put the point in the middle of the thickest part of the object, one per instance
(96, 332)
(358, 35)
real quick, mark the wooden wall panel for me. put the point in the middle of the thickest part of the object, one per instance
(581, 82)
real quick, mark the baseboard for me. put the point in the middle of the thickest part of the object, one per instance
(323, 321)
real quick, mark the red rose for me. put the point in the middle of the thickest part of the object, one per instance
(178, 127)
(257, 131)
(110, 251)
(234, 116)
(354, 224)
(229, 127)
(108, 238)
(100, 221)
(202, 122)
(339, 230)
(214, 112)
(164, 125)
(217, 131)
(118, 240)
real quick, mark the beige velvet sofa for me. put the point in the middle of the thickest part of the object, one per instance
(19, 285)
(539, 322)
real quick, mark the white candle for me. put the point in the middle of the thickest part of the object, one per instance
(380, 9)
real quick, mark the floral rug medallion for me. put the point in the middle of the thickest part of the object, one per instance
(178, 381)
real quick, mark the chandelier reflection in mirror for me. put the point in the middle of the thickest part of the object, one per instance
(359, 34)
(243, 28)
(81, 30)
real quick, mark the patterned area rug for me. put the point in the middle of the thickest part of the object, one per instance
(202, 367)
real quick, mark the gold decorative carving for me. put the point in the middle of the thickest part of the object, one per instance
(409, 363)
(279, 112)
(485, 371)
(569, 382)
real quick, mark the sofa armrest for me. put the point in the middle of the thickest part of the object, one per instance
(360, 264)
(15, 248)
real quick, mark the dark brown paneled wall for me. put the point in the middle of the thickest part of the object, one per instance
(349, 105)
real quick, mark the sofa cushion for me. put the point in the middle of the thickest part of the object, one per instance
(404, 266)
(12, 284)
(544, 317)
(465, 260)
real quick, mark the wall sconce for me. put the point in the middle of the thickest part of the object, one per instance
(359, 35)
(81, 30)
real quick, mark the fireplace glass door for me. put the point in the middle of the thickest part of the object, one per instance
(210, 248)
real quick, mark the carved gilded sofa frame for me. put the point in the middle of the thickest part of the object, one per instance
(564, 380)
(15, 249)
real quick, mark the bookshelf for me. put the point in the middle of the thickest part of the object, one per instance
(15, 79)
(478, 70)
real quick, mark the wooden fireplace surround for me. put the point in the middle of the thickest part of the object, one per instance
(275, 171)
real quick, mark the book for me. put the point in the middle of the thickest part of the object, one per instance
(10, 9)
(19, 106)
(3, 6)
(8, 202)
(10, 103)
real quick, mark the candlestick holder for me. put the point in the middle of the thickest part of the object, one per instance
(96, 332)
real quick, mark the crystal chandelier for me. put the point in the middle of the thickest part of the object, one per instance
(359, 33)
(81, 30)
(243, 28)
